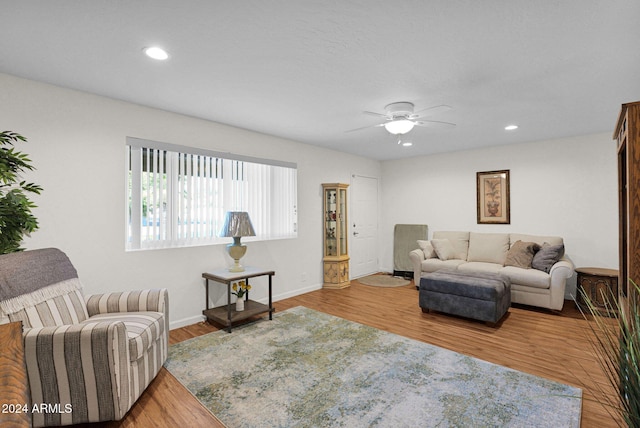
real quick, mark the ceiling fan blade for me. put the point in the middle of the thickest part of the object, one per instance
(433, 123)
(365, 127)
(373, 113)
(432, 110)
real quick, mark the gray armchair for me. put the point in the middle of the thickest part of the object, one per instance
(89, 358)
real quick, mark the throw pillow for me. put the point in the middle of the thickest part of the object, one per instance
(547, 256)
(521, 254)
(427, 249)
(488, 247)
(444, 249)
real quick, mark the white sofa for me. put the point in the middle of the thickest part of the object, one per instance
(488, 252)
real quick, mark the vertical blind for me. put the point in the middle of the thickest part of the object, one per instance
(178, 196)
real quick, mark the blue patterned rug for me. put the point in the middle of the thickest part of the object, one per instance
(309, 369)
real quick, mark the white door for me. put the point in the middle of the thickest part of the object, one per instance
(363, 226)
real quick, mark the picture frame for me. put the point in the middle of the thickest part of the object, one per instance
(493, 198)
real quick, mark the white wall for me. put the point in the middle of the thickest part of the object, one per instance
(76, 141)
(565, 187)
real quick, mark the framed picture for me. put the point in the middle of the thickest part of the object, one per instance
(493, 197)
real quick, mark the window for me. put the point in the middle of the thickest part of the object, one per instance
(178, 196)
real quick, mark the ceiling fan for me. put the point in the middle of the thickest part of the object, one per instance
(400, 117)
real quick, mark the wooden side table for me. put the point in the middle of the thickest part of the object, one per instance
(14, 387)
(599, 284)
(227, 315)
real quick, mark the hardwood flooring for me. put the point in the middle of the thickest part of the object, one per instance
(549, 344)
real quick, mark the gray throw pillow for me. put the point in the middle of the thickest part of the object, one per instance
(521, 254)
(547, 256)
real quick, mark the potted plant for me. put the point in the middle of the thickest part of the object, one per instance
(16, 218)
(616, 342)
(240, 289)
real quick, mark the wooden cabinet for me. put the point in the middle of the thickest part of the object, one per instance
(599, 285)
(628, 135)
(334, 224)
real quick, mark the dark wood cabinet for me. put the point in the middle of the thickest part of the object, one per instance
(627, 133)
(600, 285)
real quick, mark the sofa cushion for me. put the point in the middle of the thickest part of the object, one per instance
(521, 254)
(547, 257)
(527, 277)
(427, 249)
(480, 267)
(460, 241)
(488, 247)
(432, 265)
(444, 249)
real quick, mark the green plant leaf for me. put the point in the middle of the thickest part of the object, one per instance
(616, 343)
(16, 218)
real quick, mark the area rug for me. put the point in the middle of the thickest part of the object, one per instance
(309, 369)
(383, 281)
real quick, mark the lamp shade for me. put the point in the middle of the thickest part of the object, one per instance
(400, 126)
(237, 223)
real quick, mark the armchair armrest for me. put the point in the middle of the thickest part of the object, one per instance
(156, 300)
(82, 367)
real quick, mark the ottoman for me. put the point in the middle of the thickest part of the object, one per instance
(482, 296)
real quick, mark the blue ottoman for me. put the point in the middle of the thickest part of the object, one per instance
(479, 295)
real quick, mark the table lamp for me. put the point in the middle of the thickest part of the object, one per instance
(236, 225)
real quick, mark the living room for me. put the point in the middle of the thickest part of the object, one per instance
(548, 194)
(563, 185)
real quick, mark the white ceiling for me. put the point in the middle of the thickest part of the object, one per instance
(305, 70)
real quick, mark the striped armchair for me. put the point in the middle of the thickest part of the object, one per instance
(88, 358)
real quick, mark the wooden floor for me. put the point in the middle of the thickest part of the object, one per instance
(553, 345)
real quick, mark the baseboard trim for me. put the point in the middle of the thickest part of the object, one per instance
(296, 292)
(186, 321)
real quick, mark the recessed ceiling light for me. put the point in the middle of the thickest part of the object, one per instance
(407, 144)
(511, 127)
(156, 53)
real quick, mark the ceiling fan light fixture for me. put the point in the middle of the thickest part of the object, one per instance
(156, 53)
(400, 126)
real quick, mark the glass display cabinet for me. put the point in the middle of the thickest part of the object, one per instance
(336, 254)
